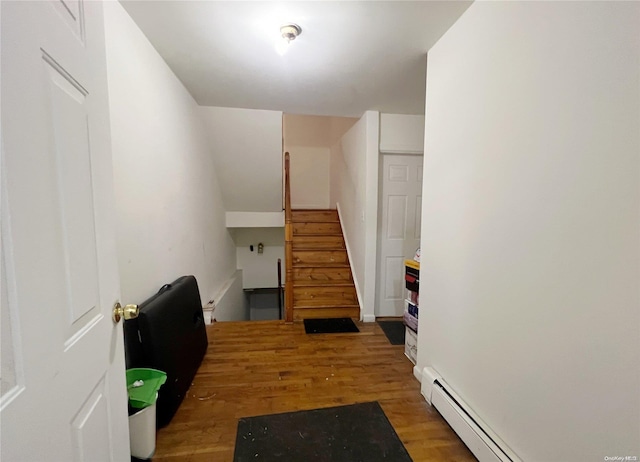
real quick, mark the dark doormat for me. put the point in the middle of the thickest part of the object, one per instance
(329, 326)
(394, 330)
(354, 433)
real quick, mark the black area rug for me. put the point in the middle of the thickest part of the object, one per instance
(329, 326)
(394, 330)
(354, 433)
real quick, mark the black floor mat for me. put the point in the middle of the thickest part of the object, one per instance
(358, 432)
(329, 326)
(394, 330)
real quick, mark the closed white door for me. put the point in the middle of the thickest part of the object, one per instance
(399, 228)
(63, 394)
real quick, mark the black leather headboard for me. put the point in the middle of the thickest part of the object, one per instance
(169, 335)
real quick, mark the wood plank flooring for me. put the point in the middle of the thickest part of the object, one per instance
(266, 367)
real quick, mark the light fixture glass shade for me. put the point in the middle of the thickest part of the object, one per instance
(288, 33)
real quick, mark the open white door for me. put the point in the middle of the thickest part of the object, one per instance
(63, 394)
(400, 221)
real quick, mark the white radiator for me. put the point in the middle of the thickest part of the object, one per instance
(478, 437)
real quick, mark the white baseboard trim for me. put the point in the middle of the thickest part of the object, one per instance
(353, 272)
(476, 434)
(368, 318)
(417, 373)
(429, 377)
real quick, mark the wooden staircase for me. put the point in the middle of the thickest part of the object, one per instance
(319, 283)
(321, 276)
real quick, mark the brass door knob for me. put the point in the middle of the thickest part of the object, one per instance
(127, 312)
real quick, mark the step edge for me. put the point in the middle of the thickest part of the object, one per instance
(320, 307)
(310, 249)
(313, 210)
(319, 235)
(334, 284)
(306, 284)
(320, 250)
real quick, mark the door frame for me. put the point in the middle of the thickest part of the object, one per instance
(379, 216)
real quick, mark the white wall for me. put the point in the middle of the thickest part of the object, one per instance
(309, 139)
(309, 177)
(259, 270)
(354, 188)
(401, 134)
(231, 303)
(246, 145)
(318, 131)
(170, 216)
(530, 306)
(255, 219)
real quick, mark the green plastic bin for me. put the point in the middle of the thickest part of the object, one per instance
(143, 385)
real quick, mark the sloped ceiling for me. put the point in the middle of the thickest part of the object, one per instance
(352, 56)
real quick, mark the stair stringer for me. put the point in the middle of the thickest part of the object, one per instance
(353, 272)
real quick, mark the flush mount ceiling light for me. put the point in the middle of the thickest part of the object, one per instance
(288, 34)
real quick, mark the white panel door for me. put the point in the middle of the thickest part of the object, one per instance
(399, 232)
(63, 394)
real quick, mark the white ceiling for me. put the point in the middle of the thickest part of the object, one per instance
(352, 56)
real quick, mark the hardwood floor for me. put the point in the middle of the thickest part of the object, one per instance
(266, 367)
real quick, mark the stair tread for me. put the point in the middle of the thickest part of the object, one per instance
(317, 235)
(326, 216)
(319, 250)
(321, 265)
(307, 283)
(320, 219)
(307, 222)
(315, 249)
(320, 307)
(311, 222)
(328, 284)
(328, 312)
(316, 212)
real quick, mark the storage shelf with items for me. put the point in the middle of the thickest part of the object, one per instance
(412, 284)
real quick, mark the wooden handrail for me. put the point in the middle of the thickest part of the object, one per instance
(288, 244)
(287, 187)
(279, 289)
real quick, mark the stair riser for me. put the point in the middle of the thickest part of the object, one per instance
(314, 215)
(318, 242)
(322, 281)
(321, 275)
(314, 313)
(324, 296)
(319, 257)
(316, 228)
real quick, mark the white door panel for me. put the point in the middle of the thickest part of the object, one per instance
(399, 236)
(396, 222)
(64, 392)
(393, 288)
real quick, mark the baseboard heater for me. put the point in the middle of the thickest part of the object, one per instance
(478, 437)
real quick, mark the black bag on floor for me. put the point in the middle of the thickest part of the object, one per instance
(169, 334)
